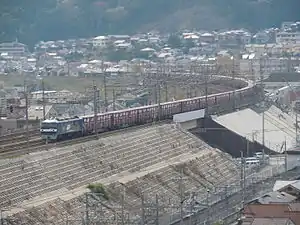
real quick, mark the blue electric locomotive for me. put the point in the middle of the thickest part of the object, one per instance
(60, 129)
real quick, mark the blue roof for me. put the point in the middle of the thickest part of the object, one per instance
(59, 120)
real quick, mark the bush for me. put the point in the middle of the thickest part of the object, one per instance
(98, 189)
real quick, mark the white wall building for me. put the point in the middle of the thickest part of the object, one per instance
(255, 65)
(288, 37)
(100, 41)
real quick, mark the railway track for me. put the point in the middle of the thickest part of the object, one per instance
(20, 137)
(21, 145)
(16, 144)
(23, 148)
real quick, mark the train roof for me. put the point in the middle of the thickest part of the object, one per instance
(59, 120)
(250, 84)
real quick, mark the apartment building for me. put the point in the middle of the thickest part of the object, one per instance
(100, 41)
(288, 37)
(13, 49)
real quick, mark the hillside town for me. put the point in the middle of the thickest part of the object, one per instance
(193, 127)
(230, 52)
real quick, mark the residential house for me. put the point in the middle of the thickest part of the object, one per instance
(274, 197)
(226, 63)
(100, 41)
(275, 210)
(114, 38)
(267, 221)
(261, 37)
(35, 112)
(207, 37)
(249, 64)
(290, 187)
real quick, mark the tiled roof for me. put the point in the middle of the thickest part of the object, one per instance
(289, 210)
(267, 221)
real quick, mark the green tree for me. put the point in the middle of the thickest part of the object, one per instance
(99, 189)
(220, 222)
(174, 41)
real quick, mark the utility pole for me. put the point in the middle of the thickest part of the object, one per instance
(191, 208)
(263, 110)
(157, 209)
(208, 206)
(95, 106)
(247, 147)
(158, 98)
(243, 178)
(122, 208)
(26, 113)
(143, 210)
(105, 91)
(181, 195)
(206, 90)
(114, 100)
(44, 106)
(166, 91)
(87, 219)
(285, 157)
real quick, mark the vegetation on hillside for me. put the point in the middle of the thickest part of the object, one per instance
(98, 189)
(31, 21)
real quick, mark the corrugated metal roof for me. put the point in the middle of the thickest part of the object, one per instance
(275, 197)
(247, 123)
(188, 116)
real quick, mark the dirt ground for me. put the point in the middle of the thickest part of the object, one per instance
(118, 85)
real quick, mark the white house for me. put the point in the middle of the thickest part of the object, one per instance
(100, 41)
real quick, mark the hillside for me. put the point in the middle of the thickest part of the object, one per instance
(34, 20)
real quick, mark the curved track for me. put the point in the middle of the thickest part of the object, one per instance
(17, 144)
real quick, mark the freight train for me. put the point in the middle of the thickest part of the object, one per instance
(57, 129)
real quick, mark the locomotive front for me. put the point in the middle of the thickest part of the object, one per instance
(49, 130)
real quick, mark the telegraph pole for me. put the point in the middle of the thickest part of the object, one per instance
(206, 90)
(114, 100)
(158, 99)
(181, 196)
(44, 106)
(243, 177)
(95, 106)
(143, 210)
(263, 110)
(26, 113)
(122, 208)
(157, 209)
(105, 91)
(166, 91)
(87, 219)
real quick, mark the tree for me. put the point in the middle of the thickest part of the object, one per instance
(99, 189)
(220, 222)
(174, 41)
